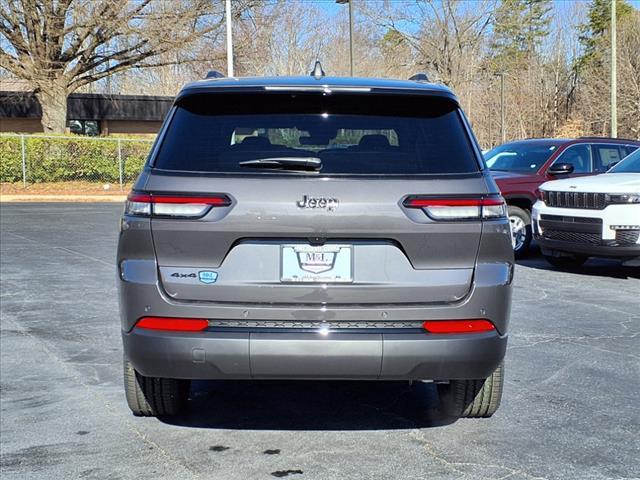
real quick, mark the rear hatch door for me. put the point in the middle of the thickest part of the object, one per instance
(329, 228)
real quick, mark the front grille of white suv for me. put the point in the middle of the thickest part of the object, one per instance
(583, 230)
(624, 238)
(627, 237)
(586, 200)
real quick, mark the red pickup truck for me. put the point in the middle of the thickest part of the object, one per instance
(520, 167)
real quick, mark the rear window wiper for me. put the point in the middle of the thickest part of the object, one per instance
(284, 163)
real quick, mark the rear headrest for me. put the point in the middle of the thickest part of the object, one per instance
(374, 141)
(256, 142)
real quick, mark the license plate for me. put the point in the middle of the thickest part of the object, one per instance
(317, 263)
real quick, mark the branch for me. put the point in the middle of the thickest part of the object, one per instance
(30, 16)
(11, 31)
(13, 65)
(118, 56)
(153, 37)
(94, 77)
(96, 24)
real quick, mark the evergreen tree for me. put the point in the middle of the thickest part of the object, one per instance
(395, 51)
(519, 28)
(594, 35)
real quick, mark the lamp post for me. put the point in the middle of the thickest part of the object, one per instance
(614, 73)
(229, 39)
(350, 2)
(503, 125)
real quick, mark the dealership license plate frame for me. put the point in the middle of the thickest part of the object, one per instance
(311, 270)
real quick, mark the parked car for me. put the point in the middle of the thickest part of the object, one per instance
(251, 247)
(519, 168)
(596, 216)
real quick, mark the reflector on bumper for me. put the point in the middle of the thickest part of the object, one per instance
(173, 324)
(458, 326)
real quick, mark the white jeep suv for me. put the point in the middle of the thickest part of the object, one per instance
(596, 216)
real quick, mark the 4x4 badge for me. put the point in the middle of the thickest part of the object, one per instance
(207, 276)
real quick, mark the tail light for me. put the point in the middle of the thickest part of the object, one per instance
(458, 208)
(458, 326)
(173, 324)
(159, 205)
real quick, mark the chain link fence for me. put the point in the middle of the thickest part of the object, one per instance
(70, 164)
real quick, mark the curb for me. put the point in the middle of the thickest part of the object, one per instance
(63, 198)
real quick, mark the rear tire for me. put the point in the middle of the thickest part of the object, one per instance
(569, 261)
(473, 398)
(152, 396)
(520, 223)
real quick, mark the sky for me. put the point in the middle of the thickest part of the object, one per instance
(564, 8)
(332, 7)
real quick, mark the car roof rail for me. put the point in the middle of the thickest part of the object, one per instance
(317, 71)
(595, 137)
(419, 77)
(214, 74)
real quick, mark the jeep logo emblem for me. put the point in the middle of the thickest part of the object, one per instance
(328, 204)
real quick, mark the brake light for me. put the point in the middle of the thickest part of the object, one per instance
(459, 208)
(458, 326)
(159, 205)
(173, 324)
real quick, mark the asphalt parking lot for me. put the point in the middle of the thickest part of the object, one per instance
(571, 406)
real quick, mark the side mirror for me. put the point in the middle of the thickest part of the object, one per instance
(560, 169)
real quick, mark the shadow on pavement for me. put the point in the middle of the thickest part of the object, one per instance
(596, 267)
(311, 405)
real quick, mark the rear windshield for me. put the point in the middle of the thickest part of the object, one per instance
(349, 134)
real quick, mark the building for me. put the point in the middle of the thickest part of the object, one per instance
(87, 113)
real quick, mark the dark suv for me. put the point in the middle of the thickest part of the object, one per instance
(315, 228)
(520, 167)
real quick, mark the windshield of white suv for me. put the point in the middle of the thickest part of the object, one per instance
(520, 156)
(629, 164)
(334, 134)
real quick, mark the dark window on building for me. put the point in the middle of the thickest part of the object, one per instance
(84, 127)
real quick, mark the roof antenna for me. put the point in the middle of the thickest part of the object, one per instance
(317, 71)
(214, 74)
(419, 77)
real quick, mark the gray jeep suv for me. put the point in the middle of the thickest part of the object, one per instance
(315, 228)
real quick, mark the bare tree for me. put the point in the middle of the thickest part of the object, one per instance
(280, 37)
(629, 74)
(59, 46)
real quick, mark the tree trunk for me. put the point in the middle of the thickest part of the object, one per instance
(53, 100)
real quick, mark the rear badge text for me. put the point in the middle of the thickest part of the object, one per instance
(325, 203)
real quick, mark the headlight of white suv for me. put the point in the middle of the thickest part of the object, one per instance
(622, 198)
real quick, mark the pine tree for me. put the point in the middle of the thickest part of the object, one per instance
(594, 35)
(519, 28)
(395, 51)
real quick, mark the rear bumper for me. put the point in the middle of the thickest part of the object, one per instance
(489, 297)
(303, 355)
